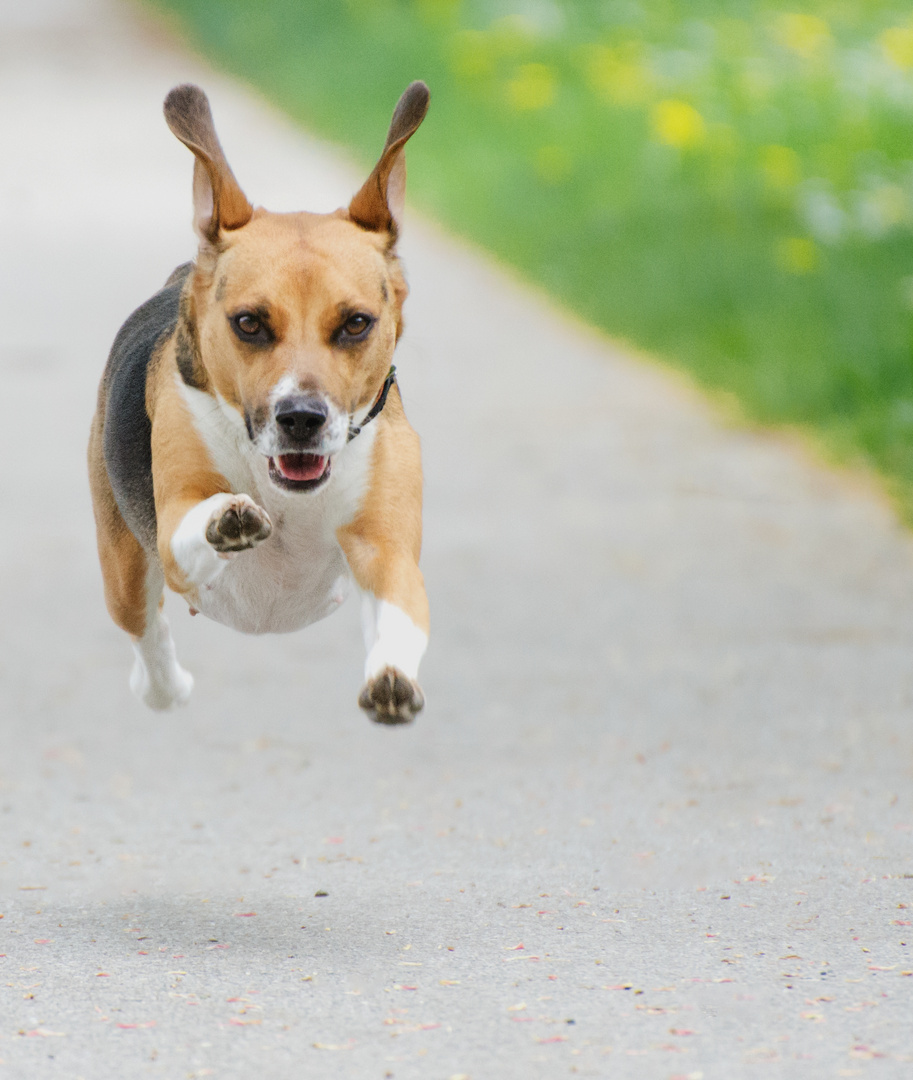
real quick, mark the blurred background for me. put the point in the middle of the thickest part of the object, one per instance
(668, 745)
(726, 184)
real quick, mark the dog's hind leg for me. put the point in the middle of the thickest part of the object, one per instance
(157, 679)
(133, 593)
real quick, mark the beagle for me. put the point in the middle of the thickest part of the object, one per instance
(250, 448)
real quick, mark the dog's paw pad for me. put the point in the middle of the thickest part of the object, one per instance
(391, 698)
(238, 525)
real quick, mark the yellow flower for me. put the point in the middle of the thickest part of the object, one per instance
(797, 255)
(781, 167)
(676, 123)
(806, 35)
(897, 45)
(533, 87)
(618, 74)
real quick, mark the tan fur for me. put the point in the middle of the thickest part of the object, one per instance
(294, 265)
(123, 561)
(218, 199)
(182, 472)
(383, 543)
(303, 276)
(299, 268)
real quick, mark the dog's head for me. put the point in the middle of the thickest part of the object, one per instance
(292, 318)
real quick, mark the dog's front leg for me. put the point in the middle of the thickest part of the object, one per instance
(396, 636)
(201, 522)
(382, 547)
(395, 621)
(198, 536)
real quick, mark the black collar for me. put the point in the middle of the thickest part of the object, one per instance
(378, 405)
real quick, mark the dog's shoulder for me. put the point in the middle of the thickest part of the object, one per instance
(127, 428)
(139, 334)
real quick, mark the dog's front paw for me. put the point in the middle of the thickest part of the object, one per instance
(391, 698)
(237, 525)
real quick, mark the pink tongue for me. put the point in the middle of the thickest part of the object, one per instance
(301, 466)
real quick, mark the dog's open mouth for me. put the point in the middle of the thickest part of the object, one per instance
(299, 472)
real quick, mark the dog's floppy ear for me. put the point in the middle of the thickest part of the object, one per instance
(378, 206)
(218, 201)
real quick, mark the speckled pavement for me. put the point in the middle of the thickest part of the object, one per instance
(656, 820)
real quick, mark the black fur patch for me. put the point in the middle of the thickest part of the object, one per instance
(178, 274)
(187, 355)
(189, 366)
(127, 429)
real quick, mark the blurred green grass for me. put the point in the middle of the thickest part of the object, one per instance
(726, 184)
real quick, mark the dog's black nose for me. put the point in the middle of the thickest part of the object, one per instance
(301, 417)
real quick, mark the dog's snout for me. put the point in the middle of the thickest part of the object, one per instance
(301, 418)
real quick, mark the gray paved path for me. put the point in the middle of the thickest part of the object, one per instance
(656, 820)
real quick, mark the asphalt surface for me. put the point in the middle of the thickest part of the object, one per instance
(656, 818)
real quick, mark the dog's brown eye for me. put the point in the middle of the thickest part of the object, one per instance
(251, 328)
(355, 329)
(357, 325)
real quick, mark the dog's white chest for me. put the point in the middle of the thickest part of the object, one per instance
(299, 574)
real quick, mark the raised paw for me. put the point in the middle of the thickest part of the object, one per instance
(238, 525)
(391, 698)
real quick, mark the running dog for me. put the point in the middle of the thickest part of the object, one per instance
(250, 448)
